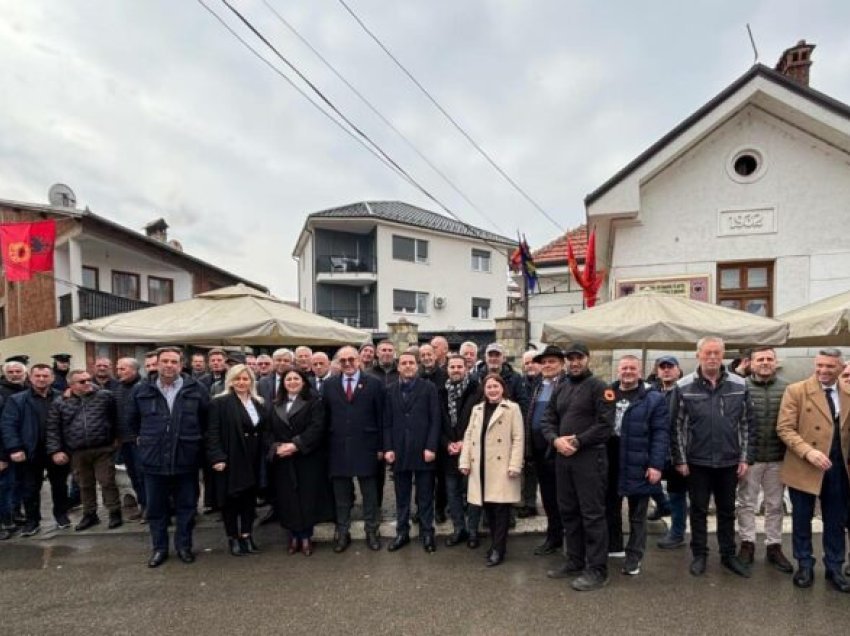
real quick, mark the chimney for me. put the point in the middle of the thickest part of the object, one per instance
(796, 61)
(157, 230)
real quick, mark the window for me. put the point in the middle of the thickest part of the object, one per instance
(160, 290)
(91, 278)
(409, 249)
(481, 308)
(480, 261)
(746, 286)
(410, 302)
(125, 284)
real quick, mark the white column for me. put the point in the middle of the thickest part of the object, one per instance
(75, 267)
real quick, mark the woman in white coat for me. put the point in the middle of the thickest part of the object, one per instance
(492, 458)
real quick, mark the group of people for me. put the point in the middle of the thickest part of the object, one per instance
(465, 435)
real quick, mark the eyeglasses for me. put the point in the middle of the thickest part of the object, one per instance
(347, 360)
(264, 364)
(85, 381)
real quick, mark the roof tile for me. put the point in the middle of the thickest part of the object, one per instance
(555, 252)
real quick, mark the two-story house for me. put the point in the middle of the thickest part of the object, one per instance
(374, 262)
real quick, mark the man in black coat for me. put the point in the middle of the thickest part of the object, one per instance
(411, 435)
(167, 416)
(430, 370)
(127, 370)
(354, 411)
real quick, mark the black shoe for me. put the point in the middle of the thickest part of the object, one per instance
(63, 522)
(631, 567)
(115, 520)
(243, 543)
(30, 529)
(548, 547)
(158, 557)
(186, 555)
(342, 541)
(837, 581)
(399, 542)
(777, 559)
(249, 543)
(668, 542)
(590, 580)
(698, 565)
(566, 571)
(87, 522)
(495, 558)
(235, 547)
(473, 542)
(428, 544)
(456, 537)
(733, 564)
(804, 577)
(373, 541)
(440, 516)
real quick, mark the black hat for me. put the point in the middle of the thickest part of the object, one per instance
(235, 357)
(548, 352)
(22, 358)
(577, 347)
(61, 357)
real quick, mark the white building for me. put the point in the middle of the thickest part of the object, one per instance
(746, 203)
(372, 263)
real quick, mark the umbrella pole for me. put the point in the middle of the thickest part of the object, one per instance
(643, 361)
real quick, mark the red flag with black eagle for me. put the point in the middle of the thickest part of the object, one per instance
(27, 248)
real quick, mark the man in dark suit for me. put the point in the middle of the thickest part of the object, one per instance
(411, 436)
(282, 360)
(354, 410)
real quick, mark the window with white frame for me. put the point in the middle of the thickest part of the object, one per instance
(410, 302)
(410, 249)
(480, 260)
(481, 308)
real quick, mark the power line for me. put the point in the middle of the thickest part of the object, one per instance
(378, 114)
(445, 113)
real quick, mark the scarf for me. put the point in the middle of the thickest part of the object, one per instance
(455, 391)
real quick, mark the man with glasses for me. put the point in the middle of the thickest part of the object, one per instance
(264, 366)
(354, 411)
(83, 428)
(321, 365)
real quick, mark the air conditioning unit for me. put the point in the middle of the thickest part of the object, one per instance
(439, 302)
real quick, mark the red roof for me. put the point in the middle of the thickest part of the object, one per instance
(555, 252)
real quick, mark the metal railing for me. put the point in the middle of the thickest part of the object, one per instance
(344, 264)
(351, 317)
(96, 304)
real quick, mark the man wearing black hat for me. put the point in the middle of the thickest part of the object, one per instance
(577, 423)
(551, 363)
(61, 366)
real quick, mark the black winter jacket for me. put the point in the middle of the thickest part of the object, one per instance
(81, 422)
(582, 406)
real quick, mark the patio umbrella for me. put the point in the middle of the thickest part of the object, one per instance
(823, 323)
(231, 316)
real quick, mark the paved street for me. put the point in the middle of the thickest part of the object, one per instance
(98, 584)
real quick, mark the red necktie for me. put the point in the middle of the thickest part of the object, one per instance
(349, 392)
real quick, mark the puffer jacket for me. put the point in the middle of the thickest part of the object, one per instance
(766, 397)
(713, 424)
(644, 441)
(80, 422)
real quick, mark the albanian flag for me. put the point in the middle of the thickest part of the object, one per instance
(588, 279)
(27, 248)
(522, 261)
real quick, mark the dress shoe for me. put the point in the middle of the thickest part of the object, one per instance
(115, 520)
(243, 543)
(342, 541)
(698, 565)
(669, 542)
(733, 564)
(373, 541)
(495, 558)
(307, 547)
(295, 546)
(746, 552)
(249, 542)
(456, 537)
(399, 542)
(777, 559)
(473, 542)
(837, 581)
(548, 547)
(62, 521)
(186, 555)
(235, 547)
(158, 557)
(567, 570)
(590, 580)
(440, 516)
(87, 522)
(429, 544)
(803, 577)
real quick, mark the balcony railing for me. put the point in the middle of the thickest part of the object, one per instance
(342, 264)
(96, 304)
(351, 317)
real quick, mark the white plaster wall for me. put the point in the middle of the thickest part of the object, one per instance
(306, 265)
(448, 273)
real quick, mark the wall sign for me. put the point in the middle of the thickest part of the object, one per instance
(693, 287)
(746, 221)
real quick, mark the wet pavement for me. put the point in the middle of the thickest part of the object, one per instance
(80, 583)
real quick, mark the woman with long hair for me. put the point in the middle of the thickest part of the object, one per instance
(492, 457)
(298, 461)
(235, 427)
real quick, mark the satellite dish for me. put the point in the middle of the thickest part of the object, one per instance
(61, 196)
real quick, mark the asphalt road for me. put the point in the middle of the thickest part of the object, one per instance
(99, 584)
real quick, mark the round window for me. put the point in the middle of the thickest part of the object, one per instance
(746, 165)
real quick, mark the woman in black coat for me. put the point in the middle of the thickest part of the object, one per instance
(297, 444)
(235, 426)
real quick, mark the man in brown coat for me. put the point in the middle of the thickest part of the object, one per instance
(813, 423)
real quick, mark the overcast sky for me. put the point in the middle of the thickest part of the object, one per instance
(152, 108)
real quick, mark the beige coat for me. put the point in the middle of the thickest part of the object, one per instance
(503, 451)
(805, 423)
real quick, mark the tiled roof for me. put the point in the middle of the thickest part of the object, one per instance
(555, 252)
(399, 212)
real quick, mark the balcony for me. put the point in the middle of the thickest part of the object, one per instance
(346, 270)
(351, 317)
(96, 304)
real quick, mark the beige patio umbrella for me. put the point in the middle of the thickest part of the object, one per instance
(231, 316)
(823, 323)
(648, 320)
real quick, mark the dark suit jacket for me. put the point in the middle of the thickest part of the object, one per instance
(265, 388)
(412, 424)
(355, 435)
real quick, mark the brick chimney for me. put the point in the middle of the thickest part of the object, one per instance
(796, 61)
(157, 230)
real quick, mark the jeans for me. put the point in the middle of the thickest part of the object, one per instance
(132, 461)
(7, 487)
(703, 481)
(30, 476)
(545, 468)
(182, 489)
(455, 494)
(678, 514)
(636, 546)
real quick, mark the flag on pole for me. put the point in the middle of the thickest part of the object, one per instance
(521, 260)
(588, 279)
(27, 248)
